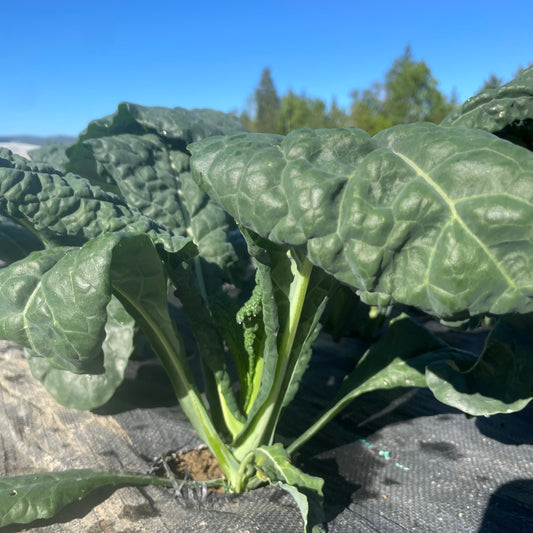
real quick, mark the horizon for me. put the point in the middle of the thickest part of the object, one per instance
(76, 62)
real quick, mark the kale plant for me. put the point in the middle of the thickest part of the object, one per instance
(436, 218)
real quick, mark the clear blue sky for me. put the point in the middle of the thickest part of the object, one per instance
(65, 63)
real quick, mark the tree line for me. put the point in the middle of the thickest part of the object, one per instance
(409, 93)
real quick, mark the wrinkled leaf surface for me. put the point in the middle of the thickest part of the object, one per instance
(435, 217)
(68, 210)
(51, 154)
(506, 111)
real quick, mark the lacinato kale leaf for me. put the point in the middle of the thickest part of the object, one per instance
(88, 391)
(16, 241)
(428, 216)
(506, 111)
(66, 210)
(140, 154)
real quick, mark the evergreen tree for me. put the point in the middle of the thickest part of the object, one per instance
(492, 82)
(301, 111)
(267, 113)
(368, 109)
(337, 117)
(267, 104)
(409, 94)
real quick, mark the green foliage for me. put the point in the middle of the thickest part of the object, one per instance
(492, 82)
(24, 499)
(273, 465)
(150, 169)
(408, 94)
(272, 114)
(436, 217)
(87, 391)
(368, 110)
(389, 232)
(411, 92)
(267, 104)
(16, 241)
(499, 381)
(303, 111)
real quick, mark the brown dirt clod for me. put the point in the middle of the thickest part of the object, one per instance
(198, 465)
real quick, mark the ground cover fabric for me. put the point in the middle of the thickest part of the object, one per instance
(393, 461)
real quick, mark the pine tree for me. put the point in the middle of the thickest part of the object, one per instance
(267, 104)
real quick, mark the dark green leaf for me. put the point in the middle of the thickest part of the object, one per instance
(150, 176)
(434, 217)
(501, 381)
(399, 359)
(16, 241)
(180, 126)
(88, 391)
(139, 153)
(54, 303)
(51, 154)
(211, 349)
(408, 355)
(24, 499)
(67, 210)
(506, 111)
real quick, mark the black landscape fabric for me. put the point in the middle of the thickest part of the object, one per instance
(395, 461)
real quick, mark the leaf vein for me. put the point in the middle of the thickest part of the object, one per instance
(455, 216)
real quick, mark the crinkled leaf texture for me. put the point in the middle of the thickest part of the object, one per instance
(179, 125)
(26, 498)
(268, 320)
(434, 217)
(506, 111)
(66, 210)
(139, 153)
(88, 391)
(53, 154)
(273, 464)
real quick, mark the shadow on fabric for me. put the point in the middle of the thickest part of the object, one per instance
(512, 428)
(510, 508)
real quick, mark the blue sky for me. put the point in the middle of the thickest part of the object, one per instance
(64, 63)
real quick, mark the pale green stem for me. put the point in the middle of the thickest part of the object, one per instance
(216, 399)
(128, 478)
(170, 351)
(268, 415)
(326, 417)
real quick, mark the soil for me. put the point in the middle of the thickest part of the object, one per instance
(197, 465)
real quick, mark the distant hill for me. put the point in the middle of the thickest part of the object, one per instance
(38, 139)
